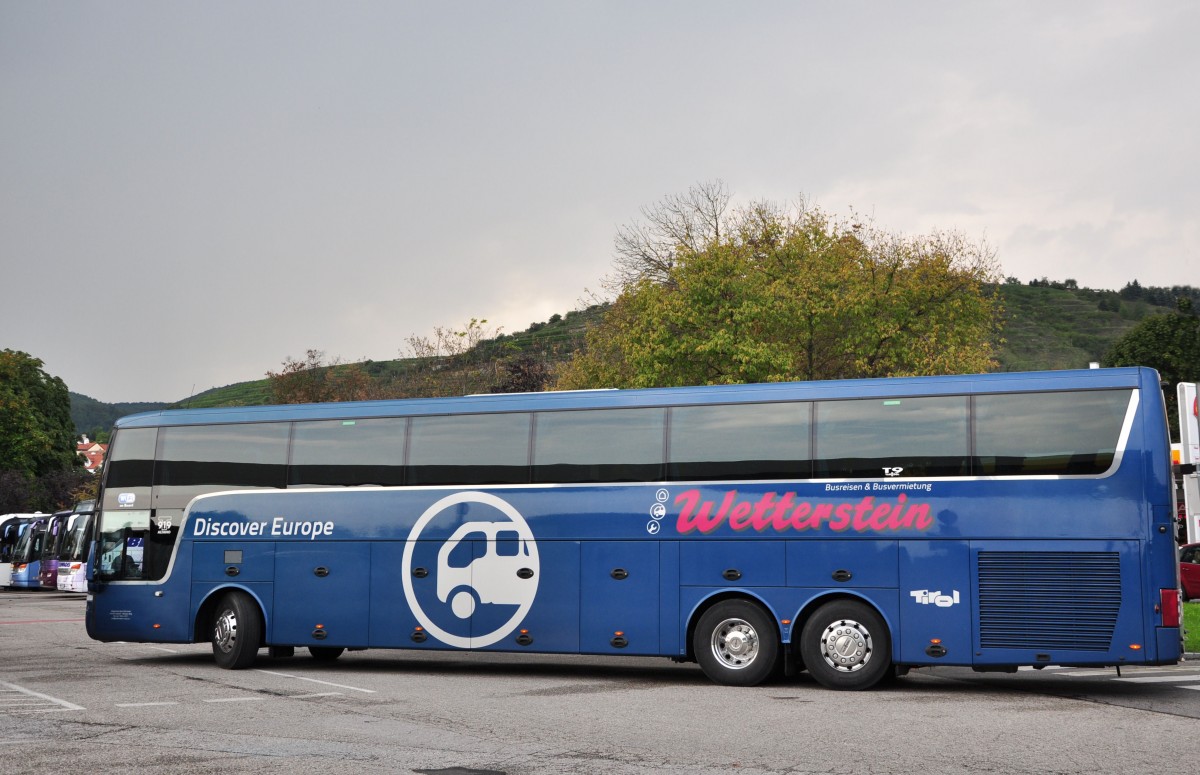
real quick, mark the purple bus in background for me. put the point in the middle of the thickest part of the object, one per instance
(56, 531)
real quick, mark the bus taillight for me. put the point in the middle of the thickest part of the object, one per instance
(1170, 607)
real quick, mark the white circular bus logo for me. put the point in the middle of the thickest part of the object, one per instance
(503, 570)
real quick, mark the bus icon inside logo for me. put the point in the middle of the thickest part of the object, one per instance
(485, 563)
(495, 577)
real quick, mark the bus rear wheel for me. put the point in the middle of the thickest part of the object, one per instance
(325, 653)
(237, 631)
(736, 643)
(845, 645)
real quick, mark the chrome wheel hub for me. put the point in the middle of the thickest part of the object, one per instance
(846, 645)
(225, 631)
(735, 643)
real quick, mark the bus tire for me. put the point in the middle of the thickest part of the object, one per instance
(237, 630)
(325, 653)
(736, 643)
(845, 644)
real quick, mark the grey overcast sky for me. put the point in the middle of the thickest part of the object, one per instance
(191, 192)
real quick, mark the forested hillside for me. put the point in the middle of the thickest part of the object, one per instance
(1051, 325)
(1047, 325)
(93, 418)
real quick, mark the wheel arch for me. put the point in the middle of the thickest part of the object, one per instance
(207, 607)
(812, 604)
(721, 596)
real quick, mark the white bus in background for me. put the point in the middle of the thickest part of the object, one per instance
(73, 560)
(1189, 456)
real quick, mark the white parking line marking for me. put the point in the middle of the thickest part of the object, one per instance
(1161, 679)
(63, 704)
(146, 646)
(314, 680)
(318, 694)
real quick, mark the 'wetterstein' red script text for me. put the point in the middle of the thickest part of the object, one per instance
(781, 514)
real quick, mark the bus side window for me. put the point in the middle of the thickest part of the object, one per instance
(740, 441)
(207, 458)
(1067, 433)
(599, 445)
(157, 545)
(348, 452)
(875, 437)
(469, 449)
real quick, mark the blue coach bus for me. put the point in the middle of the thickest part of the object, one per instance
(855, 529)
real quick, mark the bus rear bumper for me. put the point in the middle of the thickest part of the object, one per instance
(1170, 645)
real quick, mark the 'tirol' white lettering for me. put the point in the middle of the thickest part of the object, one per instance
(926, 597)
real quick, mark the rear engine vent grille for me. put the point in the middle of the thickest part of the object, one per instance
(1049, 600)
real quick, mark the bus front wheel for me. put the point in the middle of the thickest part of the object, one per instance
(845, 645)
(736, 643)
(237, 630)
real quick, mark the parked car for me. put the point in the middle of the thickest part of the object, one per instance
(1189, 571)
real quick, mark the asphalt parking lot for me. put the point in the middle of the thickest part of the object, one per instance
(104, 707)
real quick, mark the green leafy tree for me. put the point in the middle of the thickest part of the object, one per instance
(36, 432)
(1169, 343)
(765, 293)
(39, 470)
(16, 492)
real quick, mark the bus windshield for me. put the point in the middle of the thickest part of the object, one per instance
(75, 545)
(29, 545)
